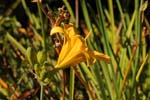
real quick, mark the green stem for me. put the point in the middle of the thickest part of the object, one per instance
(27, 10)
(16, 43)
(72, 81)
(84, 82)
(107, 49)
(111, 11)
(121, 14)
(86, 17)
(41, 92)
(42, 27)
(138, 37)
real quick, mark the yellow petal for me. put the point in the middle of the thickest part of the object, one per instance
(64, 51)
(101, 56)
(56, 29)
(68, 56)
(76, 46)
(70, 62)
(70, 31)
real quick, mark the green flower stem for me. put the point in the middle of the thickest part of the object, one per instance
(72, 82)
(41, 92)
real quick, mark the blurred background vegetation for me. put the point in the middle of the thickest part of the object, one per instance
(119, 28)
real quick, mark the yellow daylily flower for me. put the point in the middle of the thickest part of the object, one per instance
(75, 49)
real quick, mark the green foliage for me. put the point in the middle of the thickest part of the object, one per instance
(28, 57)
